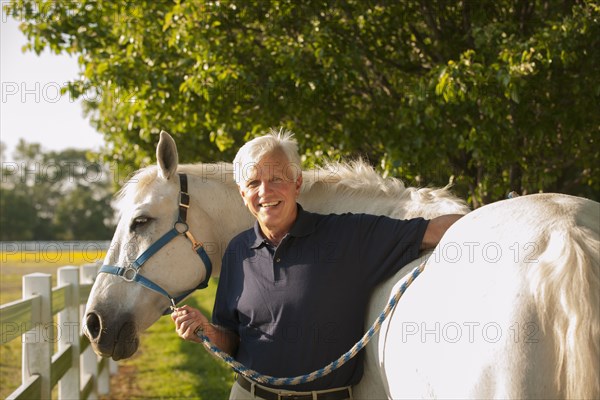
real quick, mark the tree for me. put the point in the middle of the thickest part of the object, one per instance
(493, 96)
(82, 216)
(17, 215)
(55, 196)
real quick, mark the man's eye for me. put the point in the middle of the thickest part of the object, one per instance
(252, 184)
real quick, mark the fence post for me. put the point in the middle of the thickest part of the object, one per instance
(37, 342)
(69, 328)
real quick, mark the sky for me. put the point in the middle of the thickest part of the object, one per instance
(31, 106)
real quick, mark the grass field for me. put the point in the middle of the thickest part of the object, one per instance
(164, 366)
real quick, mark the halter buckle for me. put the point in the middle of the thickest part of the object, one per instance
(128, 275)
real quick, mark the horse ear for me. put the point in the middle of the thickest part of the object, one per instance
(166, 155)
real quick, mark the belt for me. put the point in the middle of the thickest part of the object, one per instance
(267, 394)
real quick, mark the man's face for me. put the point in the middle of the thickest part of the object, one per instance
(270, 189)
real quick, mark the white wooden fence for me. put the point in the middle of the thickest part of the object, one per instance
(79, 373)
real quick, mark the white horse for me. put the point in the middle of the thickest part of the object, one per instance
(507, 307)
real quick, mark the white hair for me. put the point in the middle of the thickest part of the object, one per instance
(254, 150)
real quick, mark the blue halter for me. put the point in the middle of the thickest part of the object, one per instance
(131, 272)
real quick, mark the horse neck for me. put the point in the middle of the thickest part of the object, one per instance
(217, 211)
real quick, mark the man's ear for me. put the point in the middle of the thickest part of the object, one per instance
(242, 193)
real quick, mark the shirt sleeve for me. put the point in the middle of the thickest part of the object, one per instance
(389, 244)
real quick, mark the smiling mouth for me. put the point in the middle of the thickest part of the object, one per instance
(271, 204)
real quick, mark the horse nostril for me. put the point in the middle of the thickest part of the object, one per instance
(92, 322)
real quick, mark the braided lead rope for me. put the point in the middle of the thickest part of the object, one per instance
(273, 381)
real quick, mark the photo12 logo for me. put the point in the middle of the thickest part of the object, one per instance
(53, 251)
(68, 171)
(469, 332)
(489, 252)
(52, 92)
(39, 332)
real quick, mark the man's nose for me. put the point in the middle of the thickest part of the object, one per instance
(264, 188)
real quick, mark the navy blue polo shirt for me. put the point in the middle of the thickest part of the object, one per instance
(303, 304)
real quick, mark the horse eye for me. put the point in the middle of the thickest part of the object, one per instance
(139, 222)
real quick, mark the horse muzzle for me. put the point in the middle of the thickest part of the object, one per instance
(117, 339)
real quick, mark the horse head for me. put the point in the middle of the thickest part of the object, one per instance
(150, 263)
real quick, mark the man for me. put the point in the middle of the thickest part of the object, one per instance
(293, 290)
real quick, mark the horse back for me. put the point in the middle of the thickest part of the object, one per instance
(508, 306)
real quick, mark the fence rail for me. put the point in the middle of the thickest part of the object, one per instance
(75, 368)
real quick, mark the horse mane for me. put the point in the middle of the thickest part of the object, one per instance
(359, 179)
(354, 176)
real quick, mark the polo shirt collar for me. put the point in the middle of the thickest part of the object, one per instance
(304, 225)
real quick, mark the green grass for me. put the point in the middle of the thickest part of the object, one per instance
(165, 366)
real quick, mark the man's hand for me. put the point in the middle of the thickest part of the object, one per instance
(187, 321)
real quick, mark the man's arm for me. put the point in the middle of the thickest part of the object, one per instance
(188, 320)
(223, 338)
(436, 229)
